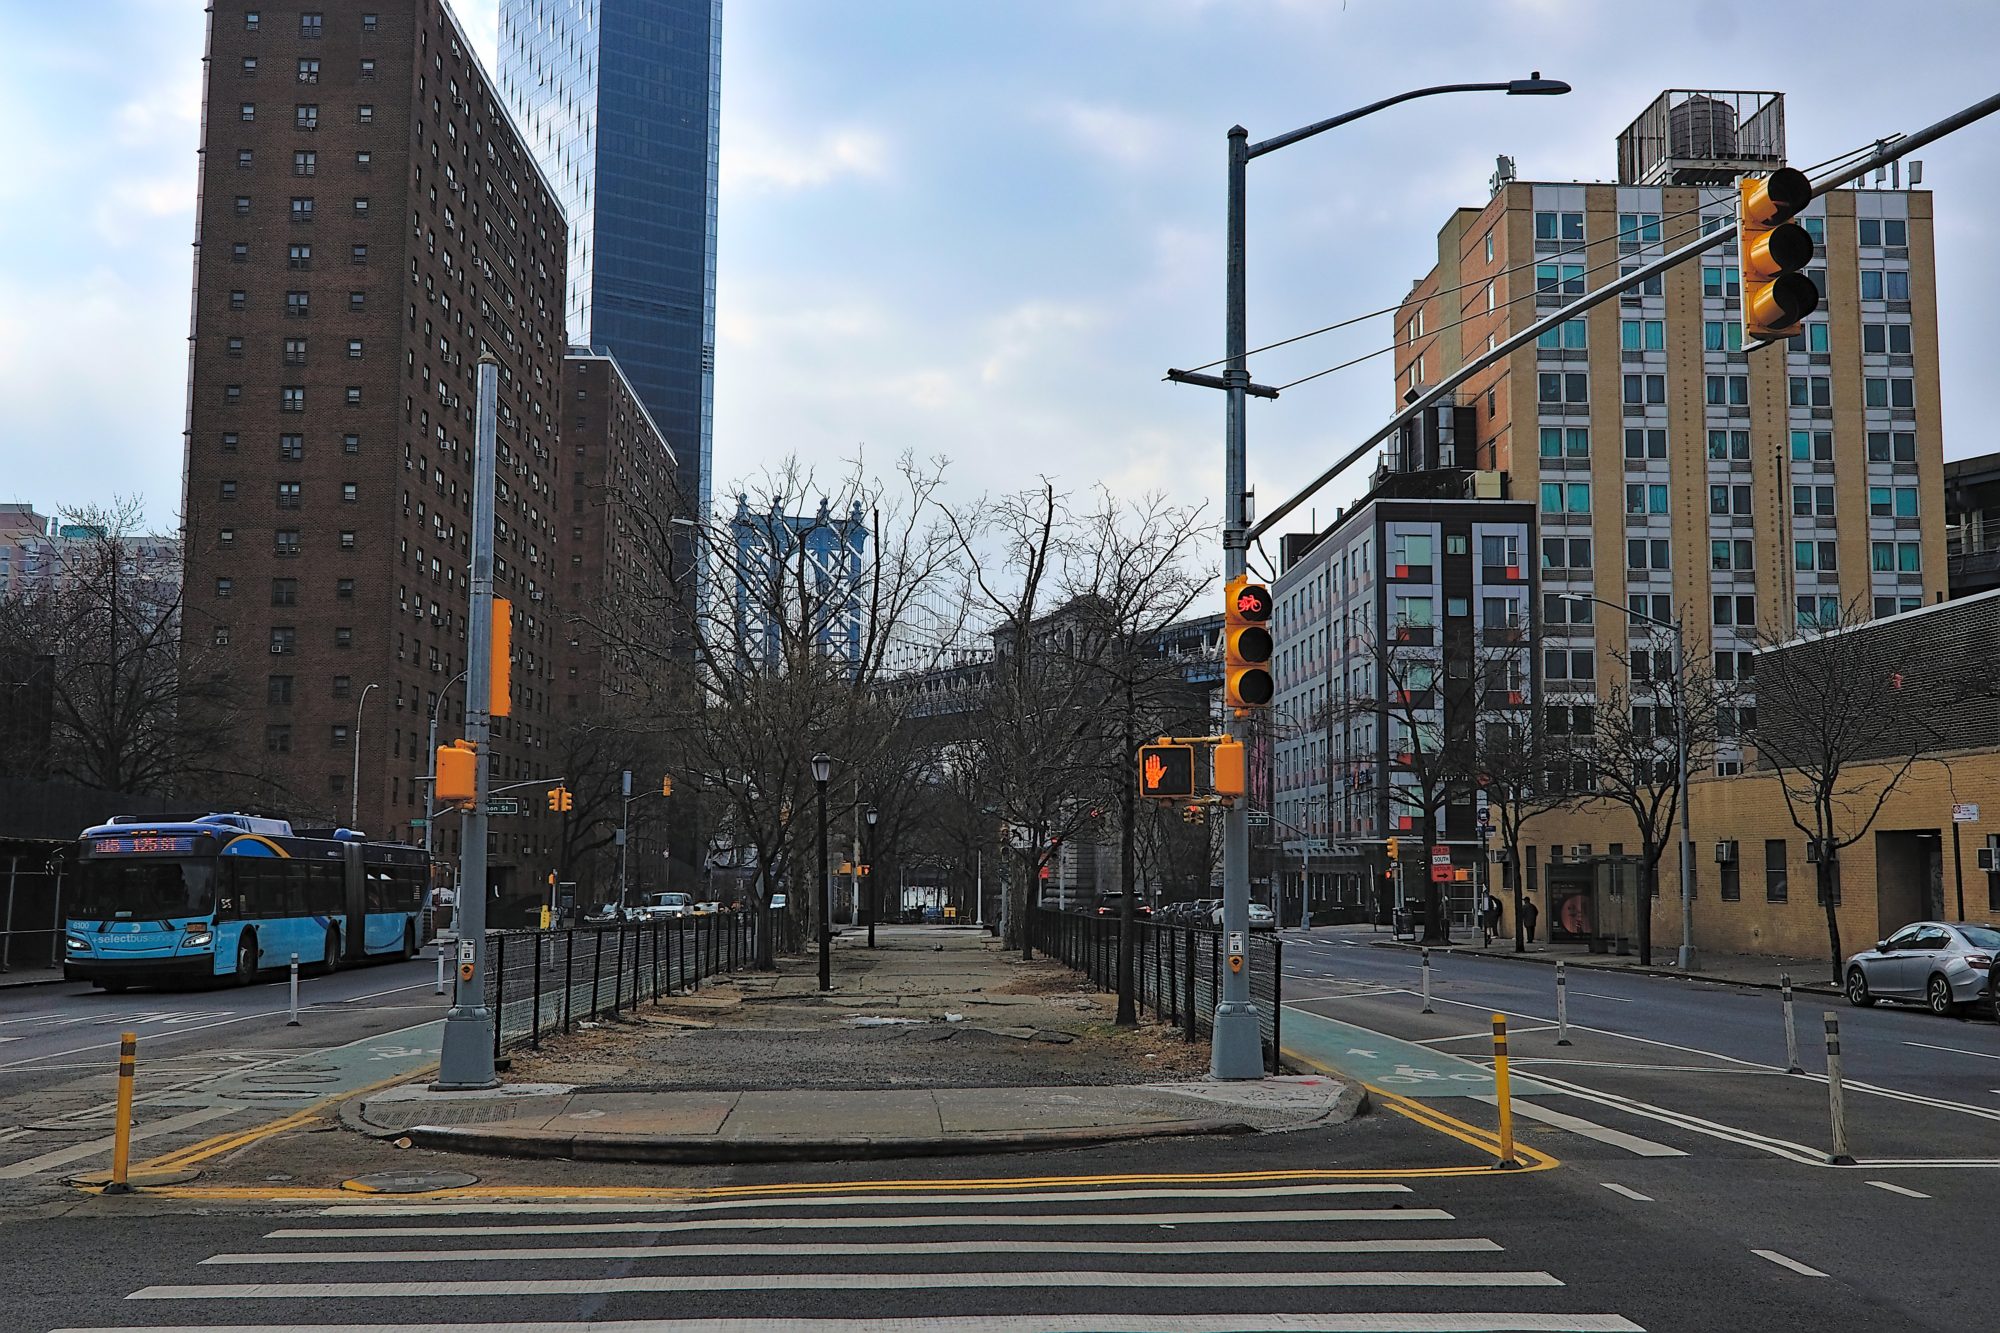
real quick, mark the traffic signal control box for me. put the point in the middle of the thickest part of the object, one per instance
(1166, 770)
(1232, 773)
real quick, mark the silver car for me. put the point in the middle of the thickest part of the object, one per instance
(1945, 964)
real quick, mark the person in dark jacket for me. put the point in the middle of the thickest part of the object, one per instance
(1529, 915)
(1489, 918)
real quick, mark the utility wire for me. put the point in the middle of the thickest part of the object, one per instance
(1449, 291)
(1467, 319)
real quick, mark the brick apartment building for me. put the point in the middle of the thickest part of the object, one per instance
(371, 221)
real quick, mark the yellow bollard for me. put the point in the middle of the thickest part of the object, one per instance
(1503, 1094)
(121, 1143)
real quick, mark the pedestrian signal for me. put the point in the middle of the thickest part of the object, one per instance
(1166, 770)
(457, 765)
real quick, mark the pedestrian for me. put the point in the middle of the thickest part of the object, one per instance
(1489, 918)
(1529, 913)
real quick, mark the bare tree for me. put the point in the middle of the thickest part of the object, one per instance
(1842, 715)
(1523, 771)
(1632, 752)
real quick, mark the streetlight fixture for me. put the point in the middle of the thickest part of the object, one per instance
(874, 898)
(1237, 1051)
(822, 769)
(354, 787)
(1686, 956)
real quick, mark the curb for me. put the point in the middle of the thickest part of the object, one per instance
(714, 1150)
(1548, 960)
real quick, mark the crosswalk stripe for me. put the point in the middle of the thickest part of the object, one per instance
(1589, 1129)
(875, 1223)
(443, 1208)
(870, 1282)
(1498, 1322)
(542, 1254)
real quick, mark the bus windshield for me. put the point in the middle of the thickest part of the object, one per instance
(143, 890)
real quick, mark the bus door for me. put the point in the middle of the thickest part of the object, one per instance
(354, 872)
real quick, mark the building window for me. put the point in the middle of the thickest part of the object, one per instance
(1815, 555)
(302, 208)
(368, 22)
(1642, 444)
(295, 351)
(1559, 226)
(292, 447)
(1812, 446)
(1730, 390)
(354, 349)
(288, 495)
(299, 256)
(350, 443)
(224, 587)
(239, 252)
(361, 206)
(292, 398)
(1566, 497)
(247, 111)
(1563, 387)
(242, 205)
(305, 164)
(235, 347)
(350, 492)
(342, 686)
(1777, 887)
(343, 636)
(243, 159)
(308, 70)
(311, 25)
(1644, 499)
(1645, 389)
(339, 736)
(1816, 612)
(305, 116)
(344, 589)
(357, 301)
(1731, 553)
(1729, 872)
(1808, 502)
(367, 69)
(1570, 335)
(1638, 228)
(1644, 553)
(278, 690)
(347, 539)
(358, 255)
(278, 738)
(1721, 282)
(363, 160)
(297, 305)
(367, 113)
(285, 541)
(229, 442)
(1642, 335)
(354, 395)
(1720, 335)
(284, 639)
(225, 537)
(232, 394)
(250, 20)
(239, 300)
(284, 592)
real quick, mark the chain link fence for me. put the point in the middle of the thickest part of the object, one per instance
(1177, 970)
(543, 982)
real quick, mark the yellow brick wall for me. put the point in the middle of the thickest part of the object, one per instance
(1751, 809)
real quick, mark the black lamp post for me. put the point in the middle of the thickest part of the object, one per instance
(874, 898)
(822, 768)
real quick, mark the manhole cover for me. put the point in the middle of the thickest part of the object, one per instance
(409, 1182)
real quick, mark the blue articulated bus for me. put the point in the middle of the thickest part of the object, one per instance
(226, 896)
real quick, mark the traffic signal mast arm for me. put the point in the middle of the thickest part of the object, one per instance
(1721, 236)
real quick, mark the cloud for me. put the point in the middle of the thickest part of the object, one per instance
(1121, 136)
(1029, 331)
(755, 160)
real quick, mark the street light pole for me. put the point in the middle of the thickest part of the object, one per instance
(1236, 1051)
(430, 780)
(354, 787)
(874, 898)
(822, 768)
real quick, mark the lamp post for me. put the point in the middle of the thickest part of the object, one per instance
(1237, 1049)
(874, 898)
(822, 769)
(354, 787)
(1686, 956)
(430, 780)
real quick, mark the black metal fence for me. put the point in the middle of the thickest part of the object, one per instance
(1177, 970)
(540, 982)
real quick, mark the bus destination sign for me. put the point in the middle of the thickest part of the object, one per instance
(142, 845)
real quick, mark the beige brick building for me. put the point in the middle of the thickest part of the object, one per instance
(1679, 478)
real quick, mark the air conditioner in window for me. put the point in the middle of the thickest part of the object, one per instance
(1580, 852)
(1989, 859)
(1725, 852)
(277, 647)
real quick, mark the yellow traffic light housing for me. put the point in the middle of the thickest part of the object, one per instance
(1246, 645)
(1166, 771)
(1772, 249)
(559, 799)
(500, 679)
(457, 772)
(1393, 853)
(666, 786)
(1232, 770)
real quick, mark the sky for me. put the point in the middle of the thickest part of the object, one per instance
(982, 229)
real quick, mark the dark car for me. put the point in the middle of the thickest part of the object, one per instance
(1113, 904)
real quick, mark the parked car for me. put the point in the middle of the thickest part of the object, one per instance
(1113, 904)
(1260, 917)
(660, 906)
(1944, 964)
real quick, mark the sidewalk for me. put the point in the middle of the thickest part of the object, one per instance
(30, 976)
(1809, 975)
(937, 1042)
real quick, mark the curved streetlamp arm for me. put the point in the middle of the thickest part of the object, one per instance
(1535, 85)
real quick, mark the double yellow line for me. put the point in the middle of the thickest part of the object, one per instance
(182, 1159)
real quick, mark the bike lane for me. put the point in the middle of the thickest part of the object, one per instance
(1389, 1063)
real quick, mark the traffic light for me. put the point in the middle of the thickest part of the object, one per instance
(500, 680)
(1392, 849)
(457, 772)
(1232, 772)
(560, 799)
(1193, 814)
(1246, 645)
(1772, 249)
(1166, 770)
(666, 786)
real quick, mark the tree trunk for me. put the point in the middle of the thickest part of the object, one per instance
(1517, 872)
(1023, 927)
(1823, 877)
(1648, 884)
(1437, 923)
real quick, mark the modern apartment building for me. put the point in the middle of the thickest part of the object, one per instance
(622, 102)
(1675, 475)
(371, 222)
(1400, 630)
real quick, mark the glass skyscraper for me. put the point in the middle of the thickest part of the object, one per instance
(622, 102)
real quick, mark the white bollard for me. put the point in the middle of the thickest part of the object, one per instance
(439, 941)
(293, 1021)
(1836, 1096)
(1427, 983)
(1792, 1065)
(1562, 1006)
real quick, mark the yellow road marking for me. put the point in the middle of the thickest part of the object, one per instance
(1430, 1117)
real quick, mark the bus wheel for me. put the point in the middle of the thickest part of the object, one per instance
(331, 961)
(409, 941)
(246, 959)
